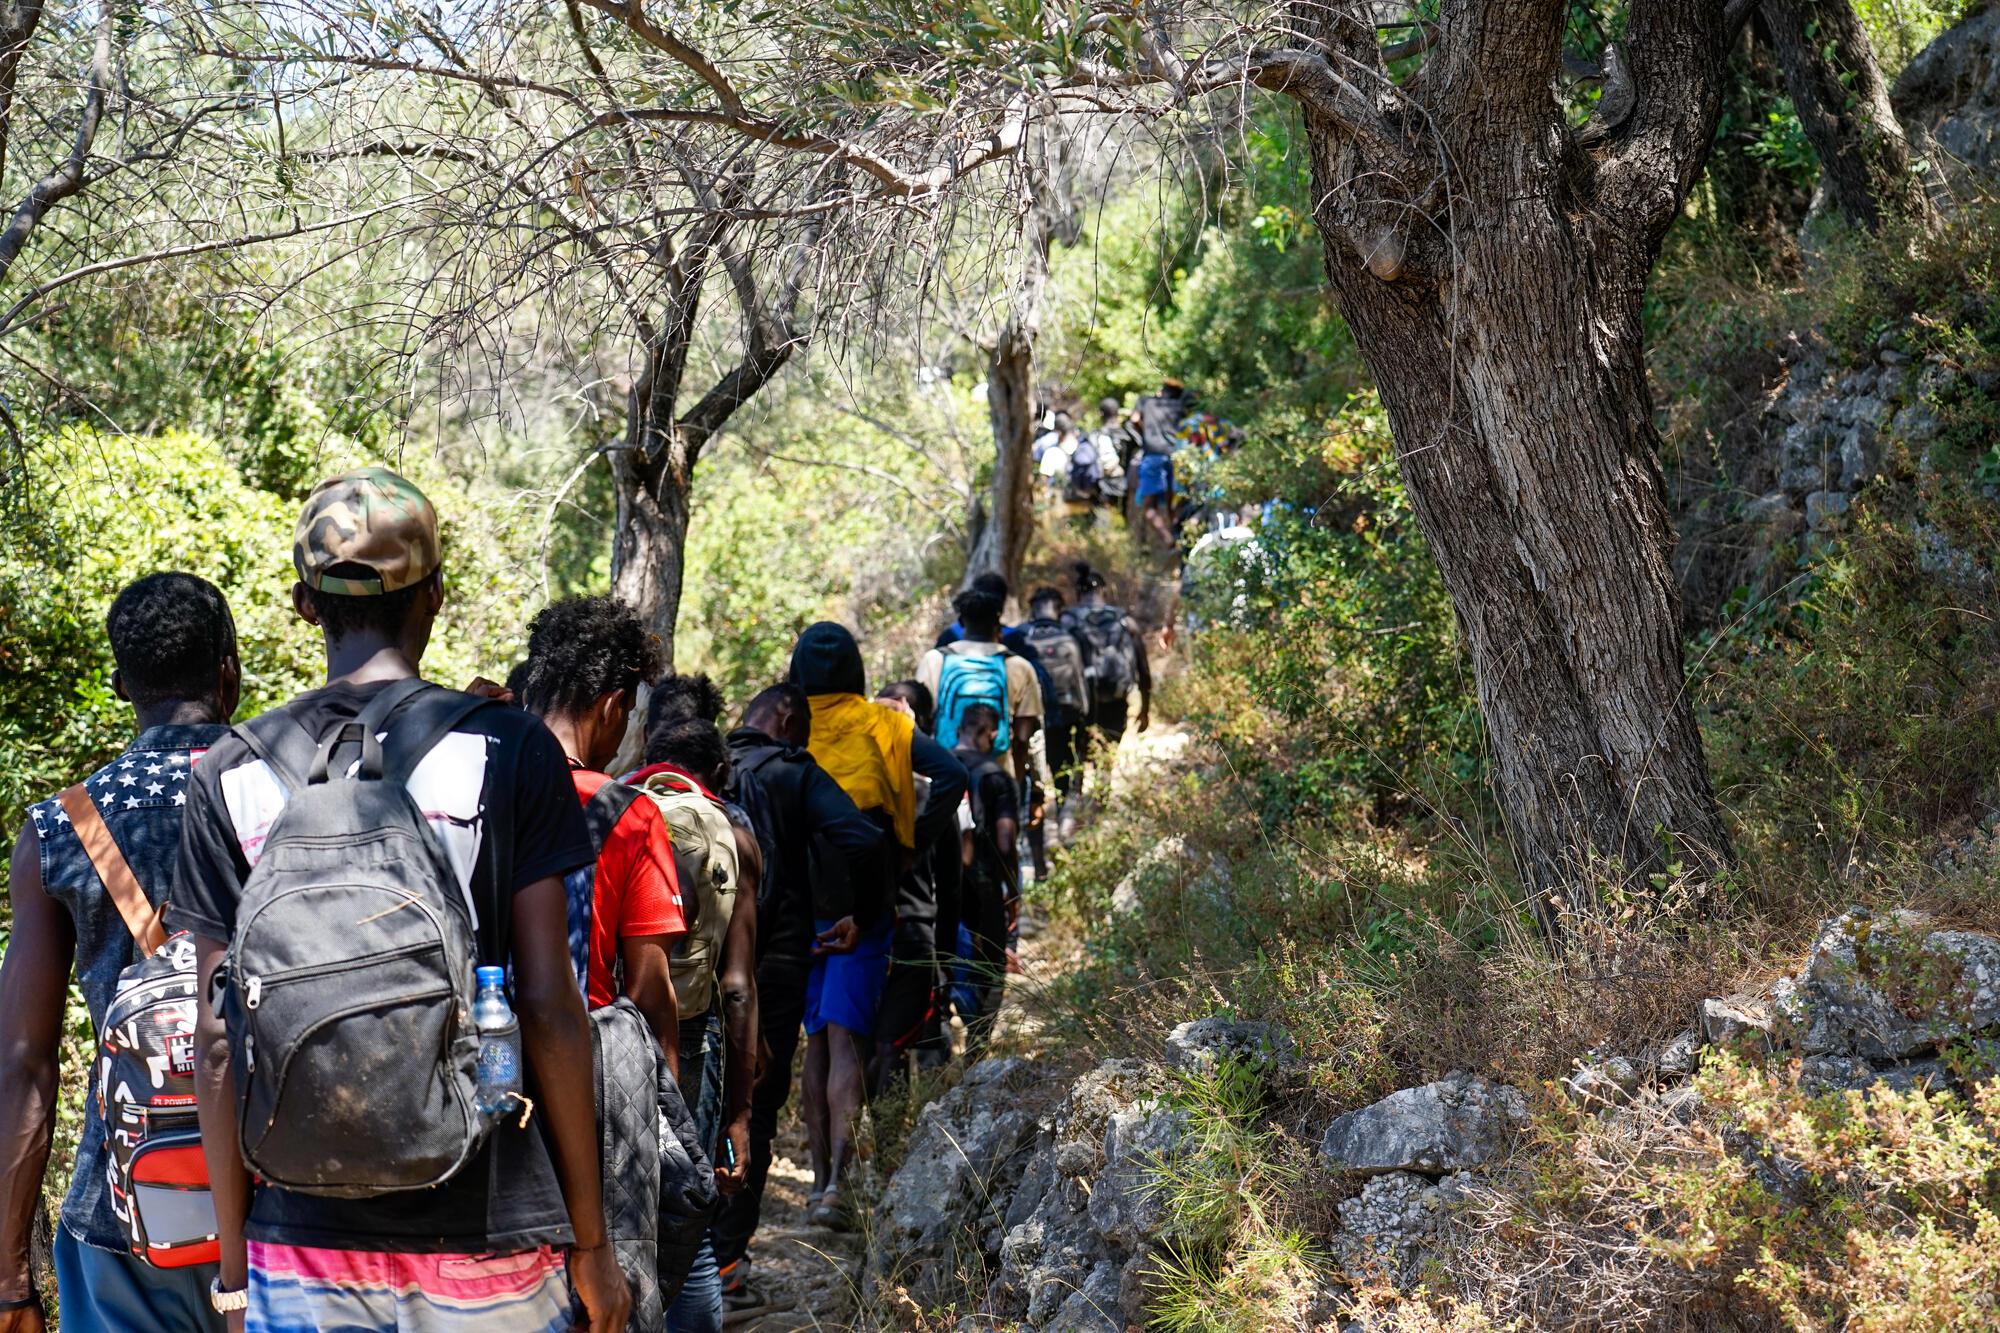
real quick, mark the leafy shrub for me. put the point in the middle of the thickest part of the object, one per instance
(96, 511)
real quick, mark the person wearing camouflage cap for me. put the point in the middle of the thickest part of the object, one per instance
(370, 518)
(504, 1242)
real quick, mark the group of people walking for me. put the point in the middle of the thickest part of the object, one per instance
(1127, 461)
(427, 1009)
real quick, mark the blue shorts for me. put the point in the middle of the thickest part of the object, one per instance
(102, 1291)
(846, 988)
(1156, 476)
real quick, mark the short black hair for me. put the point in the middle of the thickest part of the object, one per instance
(918, 697)
(169, 635)
(583, 648)
(979, 715)
(1087, 579)
(692, 743)
(1110, 407)
(684, 696)
(385, 614)
(993, 583)
(772, 697)
(978, 609)
(1046, 593)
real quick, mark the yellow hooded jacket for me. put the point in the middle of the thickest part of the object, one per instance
(866, 747)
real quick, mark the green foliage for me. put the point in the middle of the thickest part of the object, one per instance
(1230, 1263)
(814, 513)
(1890, 1216)
(94, 512)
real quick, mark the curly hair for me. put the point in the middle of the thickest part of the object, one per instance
(979, 609)
(169, 633)
(692, 743)
(684, 696)
(582, 649)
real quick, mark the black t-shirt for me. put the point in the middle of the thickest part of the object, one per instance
(994, 797)
(500, 765)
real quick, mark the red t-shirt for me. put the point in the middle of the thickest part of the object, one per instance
(638, 891)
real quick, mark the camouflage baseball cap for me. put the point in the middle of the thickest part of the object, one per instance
(372, 518)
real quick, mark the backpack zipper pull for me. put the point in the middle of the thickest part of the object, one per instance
(253, 991)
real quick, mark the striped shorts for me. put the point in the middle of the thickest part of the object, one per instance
(297, 1289)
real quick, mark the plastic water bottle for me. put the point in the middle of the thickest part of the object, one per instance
(499, 1044)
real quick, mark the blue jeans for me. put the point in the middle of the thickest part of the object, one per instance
(105, 1291)
(698, 1308)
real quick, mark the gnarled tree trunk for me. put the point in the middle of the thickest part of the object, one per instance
(1000, 540)
(1004, 519)
(1493, 281)
(1842, 102)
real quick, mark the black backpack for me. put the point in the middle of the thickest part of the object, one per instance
(348, 985)
(1063, 657)
(1114, 658)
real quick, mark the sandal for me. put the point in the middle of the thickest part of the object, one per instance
(827, 1212)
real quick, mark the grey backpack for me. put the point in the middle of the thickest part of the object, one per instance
(1113, 668)
(348, 985)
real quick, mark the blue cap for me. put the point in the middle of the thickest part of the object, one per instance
(492, 976)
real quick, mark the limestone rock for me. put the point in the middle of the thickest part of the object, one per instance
(1887, 987)
(1460, 1121)
(1823, 507)
(1681, 1057)
(1949, 99)
(1389, 1228)
(1206, 1042)
(938, 1223)
(1612, 1081)
(1170, 859)
(1083, 1227)
(1737, 1021)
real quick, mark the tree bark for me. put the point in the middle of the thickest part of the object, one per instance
(1504, 336)
(1000, 540)
(1004, 521)
(648, 548)
(1842, 102)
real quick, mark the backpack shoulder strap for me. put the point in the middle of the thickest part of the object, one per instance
(283, 744)
(606, 806)
(141, 917)
(424, 716)
(760, 757)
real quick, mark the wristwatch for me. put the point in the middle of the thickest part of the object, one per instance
(227, 1302)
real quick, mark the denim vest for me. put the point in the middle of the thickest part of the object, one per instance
(141, 794)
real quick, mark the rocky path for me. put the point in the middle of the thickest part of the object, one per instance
(810, 1275)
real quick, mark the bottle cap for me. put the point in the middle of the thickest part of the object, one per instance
(492, 976)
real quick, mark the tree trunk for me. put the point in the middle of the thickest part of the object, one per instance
(999, 535)
(1000, 542)
(1513, 372)
(1842, 102)
(648, 548)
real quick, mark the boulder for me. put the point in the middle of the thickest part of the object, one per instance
(1681, 1057)
(1887, 987)
(1842, 1073)
(937, 1228)
(1169, 861)
(1460, 1121)
(1084, 1227)
(1948, 98)
(1207, 1042)
(1394, 1224)
(1611, 1081)
(1739, 1021)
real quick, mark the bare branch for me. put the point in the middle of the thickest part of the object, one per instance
(68, 176)
(35, 294)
